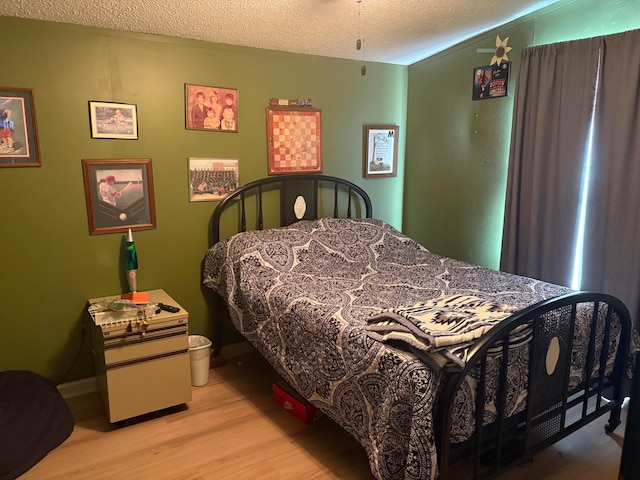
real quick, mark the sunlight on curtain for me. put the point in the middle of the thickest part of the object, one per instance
(576, 277)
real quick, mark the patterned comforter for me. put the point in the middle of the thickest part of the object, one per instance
(303, 294)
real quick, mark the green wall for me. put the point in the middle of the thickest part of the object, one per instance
(457, 150)
(50, 263)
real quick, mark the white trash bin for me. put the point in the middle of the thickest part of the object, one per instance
(199, 354)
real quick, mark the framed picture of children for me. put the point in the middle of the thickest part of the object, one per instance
(211, 108)
(381, 151)
(119, 195)
(113, 120)
(18, 128)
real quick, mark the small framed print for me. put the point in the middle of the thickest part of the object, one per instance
(212, 179)
(119, 195)
(294, 140)
(211, 108)
(18, 128)
(491, 81)
(381, 151)
(113, 120)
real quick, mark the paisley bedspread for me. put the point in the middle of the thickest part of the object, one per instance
(302, 296)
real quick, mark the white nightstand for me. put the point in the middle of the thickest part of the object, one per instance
(141, 358)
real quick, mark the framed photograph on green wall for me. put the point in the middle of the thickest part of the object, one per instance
(212, 179)
(113, 120)
(18, 128)
(491, 81)
(211, 108)
(381, 151)
(119, 195)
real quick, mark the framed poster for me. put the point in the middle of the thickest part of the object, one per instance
(18, 128)
(294, 140)
(113, 120)
(381, 151)
(491, 81)
(119, 195)
(212, 179)
(211, 108)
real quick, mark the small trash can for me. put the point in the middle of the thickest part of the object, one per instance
(199, 354)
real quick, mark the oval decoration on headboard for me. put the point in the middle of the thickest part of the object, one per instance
(553, 354)
(300, 207)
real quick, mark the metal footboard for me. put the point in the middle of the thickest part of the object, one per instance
(557, 401)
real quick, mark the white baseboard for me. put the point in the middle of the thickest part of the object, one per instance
(78, 387)
(88, 385)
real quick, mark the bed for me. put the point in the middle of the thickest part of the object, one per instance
(439, 368)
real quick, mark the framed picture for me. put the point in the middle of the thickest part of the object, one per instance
(113, 120)
(211, 108)
(491, 81)
(119, 195)
(212, 179)
(18, 128)
(381, 151)
(294, 140)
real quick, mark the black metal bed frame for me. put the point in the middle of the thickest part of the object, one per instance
(549, 414)
(291, 187)
(552, 411)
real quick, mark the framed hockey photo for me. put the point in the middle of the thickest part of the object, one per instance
(381, 151)
(113, 120)
(211, 108)
(119, 195)
(18, 128)
(294, 140)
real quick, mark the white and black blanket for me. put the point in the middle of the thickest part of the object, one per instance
(309, 297)
(446, 325)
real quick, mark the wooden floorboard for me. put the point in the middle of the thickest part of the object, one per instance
(233, 429)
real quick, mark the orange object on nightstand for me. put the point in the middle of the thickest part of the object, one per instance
(136, 297)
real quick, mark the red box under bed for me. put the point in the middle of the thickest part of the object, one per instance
(293, 403)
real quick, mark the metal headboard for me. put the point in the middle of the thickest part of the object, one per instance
(297, 193)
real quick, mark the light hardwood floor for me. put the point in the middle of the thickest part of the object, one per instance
(233, 429)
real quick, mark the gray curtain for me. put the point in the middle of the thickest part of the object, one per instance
(554, 104)
(552, 113)
(612, 240)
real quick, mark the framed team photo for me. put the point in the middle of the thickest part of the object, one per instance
(119, 195)
(212, 179)
(18, 128)
(113, 120)
(212, 109)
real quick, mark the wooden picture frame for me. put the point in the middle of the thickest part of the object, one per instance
(214, 109)
(19, 145)
(113, 120)
(119, 195)
(212, 179)
(381, 151)
(294, 140)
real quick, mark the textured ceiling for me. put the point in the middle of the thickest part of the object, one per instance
(398, 32)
